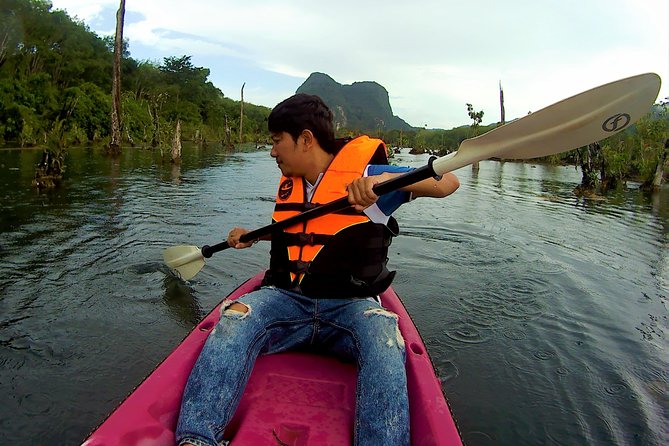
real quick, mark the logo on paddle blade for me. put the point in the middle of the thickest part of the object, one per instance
(616, 122)
(286, 189)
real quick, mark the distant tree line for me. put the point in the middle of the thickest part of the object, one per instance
(56, 75)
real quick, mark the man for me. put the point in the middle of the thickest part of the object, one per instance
(320, 290)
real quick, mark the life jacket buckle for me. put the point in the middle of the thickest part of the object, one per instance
(301, 267)
(307, 239)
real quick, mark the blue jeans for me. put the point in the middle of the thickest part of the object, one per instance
(278, 320)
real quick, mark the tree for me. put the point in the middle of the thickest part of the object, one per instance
(661, 167)
(477, 117)
(590, 160)
(115, 144)
(241, 113)
(653, 146)
(502, 120)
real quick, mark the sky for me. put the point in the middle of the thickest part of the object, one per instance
(433, 56)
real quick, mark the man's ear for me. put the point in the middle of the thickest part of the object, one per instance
(307, 138)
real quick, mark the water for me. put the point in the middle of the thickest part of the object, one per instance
(544, 314)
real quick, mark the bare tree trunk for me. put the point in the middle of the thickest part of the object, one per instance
(228, 135)
(153, 112)
(176, 144)
(155, 104)
(588, 160)
(115, 143)
(659, 171)
(501, 104)
(49, 172)
(8, 28)
(241, 115)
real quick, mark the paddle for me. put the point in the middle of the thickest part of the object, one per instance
(574, 122)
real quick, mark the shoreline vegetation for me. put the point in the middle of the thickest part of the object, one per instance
(56, 92)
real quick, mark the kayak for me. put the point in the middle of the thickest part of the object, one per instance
(292, 398)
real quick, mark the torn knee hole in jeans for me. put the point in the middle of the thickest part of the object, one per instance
(389, 314)
(232, 308)
(381, 312)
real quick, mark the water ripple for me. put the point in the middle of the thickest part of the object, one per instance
(478, 438)
(467, 334)
(616, 389)
(514, 333)
(544, 355)
(562, 371)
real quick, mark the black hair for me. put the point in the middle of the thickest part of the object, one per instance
(304, 112)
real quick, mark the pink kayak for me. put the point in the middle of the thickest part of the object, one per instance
(294, 398)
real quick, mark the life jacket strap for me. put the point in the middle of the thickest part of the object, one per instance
(297, 207)
(303, 239)
(298, 266)
(303, 207)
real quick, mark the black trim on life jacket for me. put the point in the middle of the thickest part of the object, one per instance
(302, 207)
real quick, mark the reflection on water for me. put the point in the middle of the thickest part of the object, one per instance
(545, 314)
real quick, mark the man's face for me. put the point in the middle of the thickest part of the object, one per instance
(287, 153)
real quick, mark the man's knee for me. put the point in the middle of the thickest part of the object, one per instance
(235, 309)
(238, 306)
(390, 319)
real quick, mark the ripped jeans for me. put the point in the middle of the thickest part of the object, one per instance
(277, 320)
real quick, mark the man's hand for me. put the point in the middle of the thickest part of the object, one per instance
(360, 193)
(233, 238)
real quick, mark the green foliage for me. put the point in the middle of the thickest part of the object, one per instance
(475, 116)
(615, 160)
(88, 107)
(652, 133)
(436, 141)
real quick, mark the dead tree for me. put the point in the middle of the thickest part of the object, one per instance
(501, 105)
(176, 144)
(115, 143)
(661, 165)
(241, 114)
(227, 140)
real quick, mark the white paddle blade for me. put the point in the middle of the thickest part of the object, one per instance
(184, 261)
(569, 124)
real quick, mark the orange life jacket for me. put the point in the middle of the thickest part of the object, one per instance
(342, 254)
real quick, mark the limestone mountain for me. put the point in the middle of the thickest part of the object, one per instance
(360, 106)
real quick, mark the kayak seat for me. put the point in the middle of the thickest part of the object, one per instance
(296, 399)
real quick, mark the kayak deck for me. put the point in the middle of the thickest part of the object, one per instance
(293, 398)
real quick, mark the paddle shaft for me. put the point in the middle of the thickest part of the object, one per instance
(406, 179)
(574, 122)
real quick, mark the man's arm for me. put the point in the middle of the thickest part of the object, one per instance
(431, 187)
(361, 195)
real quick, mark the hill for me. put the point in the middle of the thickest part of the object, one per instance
(360, 106)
